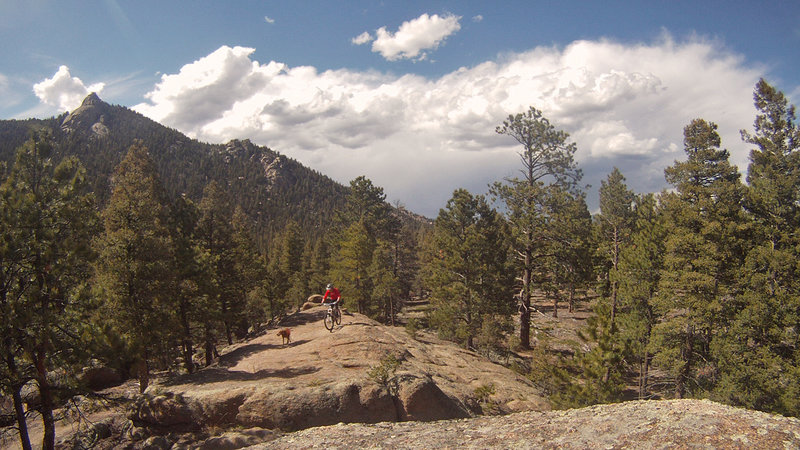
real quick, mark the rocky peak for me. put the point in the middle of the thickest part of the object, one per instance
(91, 100)
(89, 117)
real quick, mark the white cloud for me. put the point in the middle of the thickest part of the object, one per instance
(478, 18)
(423, 33)
(269, 19)
(362, 38)
(63, 90)
(420, 138)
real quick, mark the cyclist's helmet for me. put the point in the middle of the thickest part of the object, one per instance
(330, 286)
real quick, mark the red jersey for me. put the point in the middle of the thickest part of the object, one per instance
(333, 294)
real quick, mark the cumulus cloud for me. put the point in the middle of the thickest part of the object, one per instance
(420, 138)
(413, 37)
(63, 90)
(362, 38)
(478, 18)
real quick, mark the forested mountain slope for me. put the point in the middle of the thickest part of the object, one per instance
(271, 188)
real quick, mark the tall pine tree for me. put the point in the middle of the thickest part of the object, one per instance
(547, 158)
(759, 354)
(702, 251)
(135, 269)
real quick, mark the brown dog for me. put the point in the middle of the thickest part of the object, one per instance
(285, 335)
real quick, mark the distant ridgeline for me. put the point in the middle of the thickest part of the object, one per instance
(271, 188)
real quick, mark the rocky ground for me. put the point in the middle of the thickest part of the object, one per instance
(654, 424)
(341, 389)
(319, 378)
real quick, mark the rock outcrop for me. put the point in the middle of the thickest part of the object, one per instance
(90, 116)
(323, 378)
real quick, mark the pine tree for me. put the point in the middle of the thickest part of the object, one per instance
(356, 247)
(189, 273)
(248, 269)
(547, 157)
(386, 285)
(366, 221)
(759, 353)
(568, 234)
(135, 269)
(704, 220)
(215, 237)
(639, 273)
(48, 220)
(468, 271)
(615, 223)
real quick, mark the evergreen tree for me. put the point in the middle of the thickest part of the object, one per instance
(639, 273)
(601, 368)
(319, 271)
(702, 251)
(615, 223)
(759, 353)
(468, 272)
(366, 221)
(215, 237)
(350, 272)
(386, 285)
(568, 241)
(367, 203)
(248, 269)
(189, 273)
(546, 157)
(135, 270)
(48, 219)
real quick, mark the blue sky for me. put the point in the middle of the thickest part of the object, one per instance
(409, 93)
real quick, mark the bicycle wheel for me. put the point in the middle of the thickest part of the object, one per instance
(338, 316)
(328, 321)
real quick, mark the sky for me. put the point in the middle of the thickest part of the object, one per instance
(409, 93)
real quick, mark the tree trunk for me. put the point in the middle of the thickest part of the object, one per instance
(685, 370)
(22, 425)
(228, 333)
(613, 306)
(615, 264)
(555, 305)
(142, 373)
(46, 407)
(571, 298)
(209, 347)
(525, 310)
(187, 339)
(19, 408)
(644, 368)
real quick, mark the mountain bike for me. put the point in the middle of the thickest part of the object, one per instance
(333, 316)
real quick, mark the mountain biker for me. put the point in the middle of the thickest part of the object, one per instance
(332, 293)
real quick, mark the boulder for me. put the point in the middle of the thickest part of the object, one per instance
(99, 378)
(318, 405)
(162, 411)
(421, 400)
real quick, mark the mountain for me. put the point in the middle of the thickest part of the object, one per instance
(271, 188)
